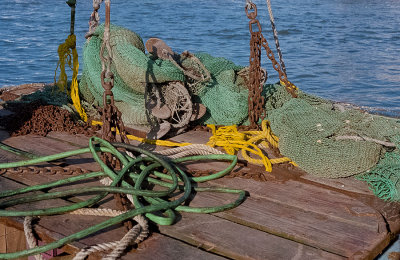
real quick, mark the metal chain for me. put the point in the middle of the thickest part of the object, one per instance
(282, 76)
(256, 100)
(46, 170)
(94, 18)
(111, 116)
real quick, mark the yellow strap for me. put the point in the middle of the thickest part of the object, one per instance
(64, 53)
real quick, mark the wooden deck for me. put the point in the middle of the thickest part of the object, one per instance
(289, 216)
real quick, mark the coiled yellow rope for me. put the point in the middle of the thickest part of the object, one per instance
(64, 53)
(232, 141)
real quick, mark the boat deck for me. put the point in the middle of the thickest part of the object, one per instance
(290, 215)
(287, 215)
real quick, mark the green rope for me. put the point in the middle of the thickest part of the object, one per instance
(145, 168)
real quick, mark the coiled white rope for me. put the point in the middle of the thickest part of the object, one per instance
(30, 238)
(137, 234)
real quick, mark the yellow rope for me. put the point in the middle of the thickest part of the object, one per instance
(64, 53)
(148, 141)
(233, 141)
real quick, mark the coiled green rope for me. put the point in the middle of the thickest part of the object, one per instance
(139, 170)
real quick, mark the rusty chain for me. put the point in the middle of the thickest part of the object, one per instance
(256, 100)
(111, 116)
(45, 170)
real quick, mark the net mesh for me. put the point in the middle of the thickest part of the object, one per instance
(334, 140)
(132, 69)
(324, 138)
(384, 178)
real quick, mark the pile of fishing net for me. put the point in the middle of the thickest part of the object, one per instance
(324, 138)
(333, 140)
(224, 95)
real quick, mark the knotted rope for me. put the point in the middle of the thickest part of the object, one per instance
(232, 141)
(65, 50)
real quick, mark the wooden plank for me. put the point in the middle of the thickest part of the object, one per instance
(349, 184)
(346, 184)
(162, 247)
(309, 228)
(3, 240)
(12, 241)
(309, 198)
(24, 89)
(235, 241)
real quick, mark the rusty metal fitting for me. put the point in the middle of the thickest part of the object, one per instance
(254, 21)
(253, 14)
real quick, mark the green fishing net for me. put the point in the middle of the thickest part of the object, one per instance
(333, 140)
(384, 178)
(225, 94)
(132, 69)
(324, 138)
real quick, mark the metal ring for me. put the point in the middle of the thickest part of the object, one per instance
(254, 21)
(251, 15)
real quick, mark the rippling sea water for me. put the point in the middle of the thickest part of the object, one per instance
(344, 50)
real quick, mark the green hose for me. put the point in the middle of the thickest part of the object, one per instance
(145, 168)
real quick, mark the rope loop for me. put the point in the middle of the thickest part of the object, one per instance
(233, 141)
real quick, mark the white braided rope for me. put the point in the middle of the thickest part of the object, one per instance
(97, 248)
(137, 234)
(30, 238)
(193, 149)
(97, 212)
(275, 32)
(364, 138)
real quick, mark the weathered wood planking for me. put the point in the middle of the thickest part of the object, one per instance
(11, 240)
(311, 213)
(51, 228)
(162, 247)
(237, 241)
(314, 229)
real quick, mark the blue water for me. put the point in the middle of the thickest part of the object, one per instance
(344, 50)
